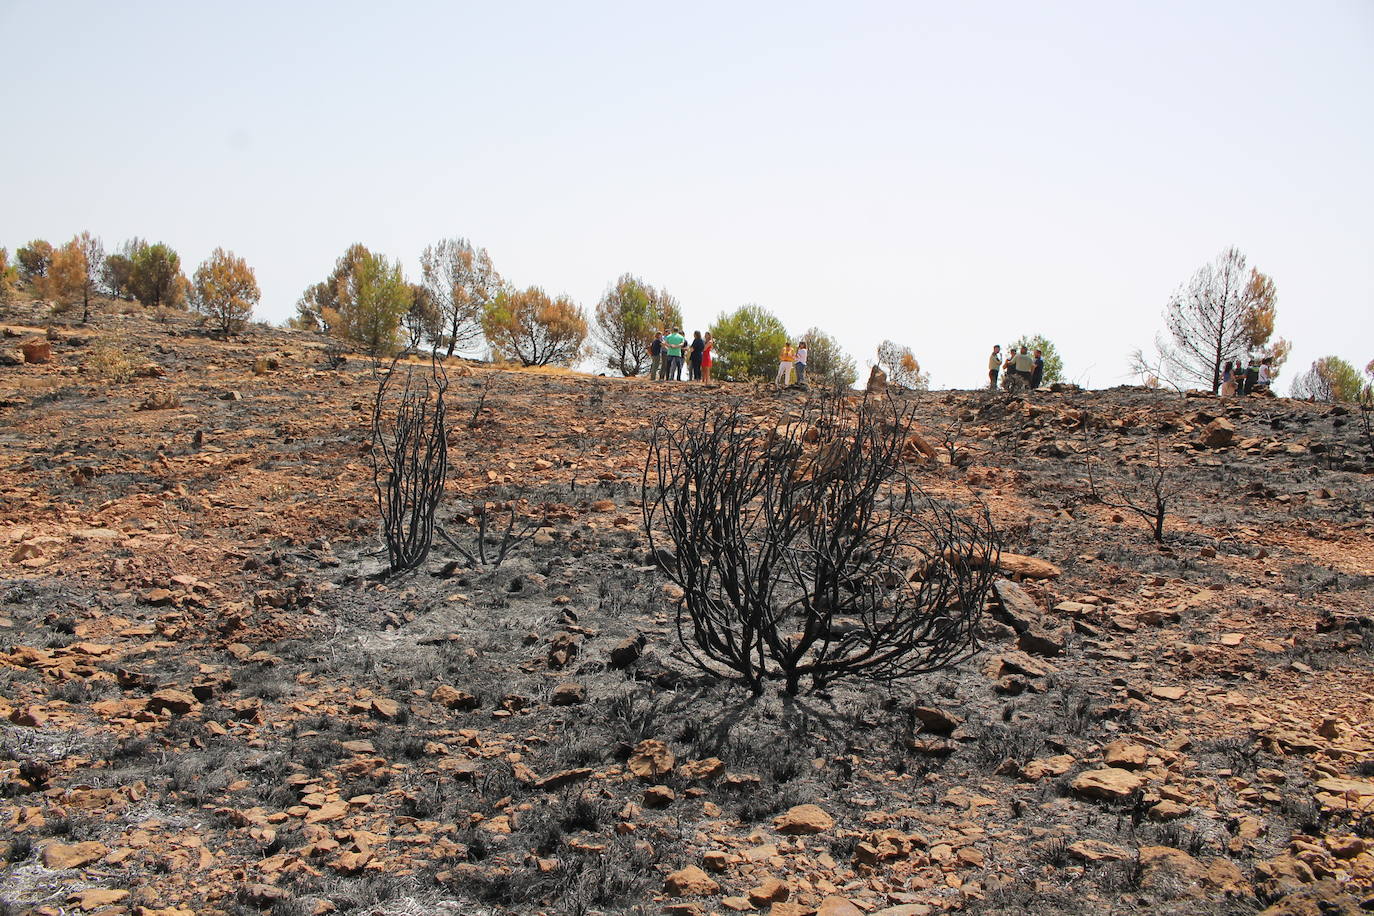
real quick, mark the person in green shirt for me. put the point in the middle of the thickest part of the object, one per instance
(674, 343)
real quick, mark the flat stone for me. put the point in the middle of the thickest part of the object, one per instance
(1350, 788)
(838, 906)
(176, 701)
(1125, 754)
(1111, 783)
(73, 855)
(386, 709)
(1097, 851)
(563, 778)
(1168, 810)
(330, 811)
(1041, 767)
(97, 897)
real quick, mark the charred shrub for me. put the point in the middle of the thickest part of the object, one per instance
(409, 463)
(808, 551)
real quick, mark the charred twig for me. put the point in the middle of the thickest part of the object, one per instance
(481, 400)
(1148, 492)
(511, 538)
(807, 551)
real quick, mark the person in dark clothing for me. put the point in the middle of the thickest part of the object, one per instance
(1038, 373)
(698, 346)
(656, 357)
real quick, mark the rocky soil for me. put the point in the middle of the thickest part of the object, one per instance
(212, 702)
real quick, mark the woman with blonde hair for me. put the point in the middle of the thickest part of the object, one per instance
(706, 359)
(785, 359)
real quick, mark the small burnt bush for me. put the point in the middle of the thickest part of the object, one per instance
(808, 552)
(409, 463)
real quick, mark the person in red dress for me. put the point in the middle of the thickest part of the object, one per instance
(706, 360)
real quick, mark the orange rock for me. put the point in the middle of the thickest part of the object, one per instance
(690, 882)
(1110, 783)
(803, 819)
(769, 890)
(73, 855)
(651, 759)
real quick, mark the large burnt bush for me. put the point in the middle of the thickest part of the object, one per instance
(808, 552)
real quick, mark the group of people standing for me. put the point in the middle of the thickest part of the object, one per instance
(1023, 367)
(670, 350)
(667, 352)
(1252, 379)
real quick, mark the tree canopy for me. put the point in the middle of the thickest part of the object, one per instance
(8, 275)
(528, 326)
(901, 366)
(1329, 379)
(33, 259)
(827, 364)
(1225, 312)
(625, 320)
(319, 307)
(459, 280)
(747, 343)
(65, 277)
(155, 276)
(225, 290)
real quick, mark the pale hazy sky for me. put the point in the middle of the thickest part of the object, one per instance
(948, 175)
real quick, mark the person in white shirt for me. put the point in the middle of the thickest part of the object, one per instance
(799, 364)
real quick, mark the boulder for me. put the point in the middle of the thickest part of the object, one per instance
(454, 698)
(1125, 754)
(1324, 898)
(1014, 607)
(627, 652)
(1041, 641)
(770, 890)
(937, 721)
(803, 819)
(36, 351)
(877, 381)
(1218, 434)
(690, 882)
(569, 694)
(174, 701)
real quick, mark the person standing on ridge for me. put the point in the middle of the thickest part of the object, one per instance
(1024, 365)
(673, 344)
(698, 346)
(800, 362)
(1038, 373)
(709, 344)
(994, 366)
(785, 359)
(656, 356)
